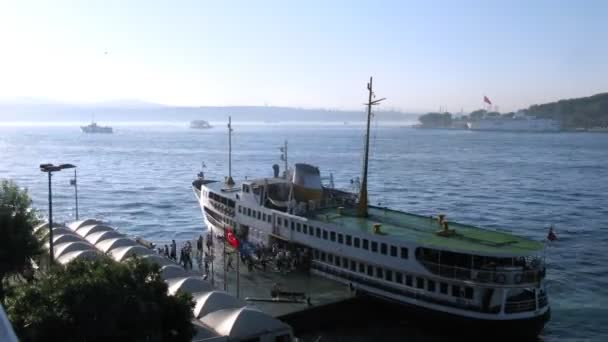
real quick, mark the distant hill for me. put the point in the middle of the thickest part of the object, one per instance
(584, 112)
(134, 110)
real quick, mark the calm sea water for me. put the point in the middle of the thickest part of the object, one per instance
(139, 180)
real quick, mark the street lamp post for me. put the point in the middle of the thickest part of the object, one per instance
(74, 183)
(49, 169)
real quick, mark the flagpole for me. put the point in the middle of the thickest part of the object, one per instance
(238, 257)
(225, 278)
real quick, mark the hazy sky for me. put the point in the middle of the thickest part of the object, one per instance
(422, 54)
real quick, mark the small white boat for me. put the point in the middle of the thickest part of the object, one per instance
(200, 124)
(93, 127)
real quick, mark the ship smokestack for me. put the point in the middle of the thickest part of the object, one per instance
(276, 170)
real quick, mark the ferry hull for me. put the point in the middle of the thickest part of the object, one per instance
(446, 323)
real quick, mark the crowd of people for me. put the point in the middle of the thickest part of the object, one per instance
(278, 257)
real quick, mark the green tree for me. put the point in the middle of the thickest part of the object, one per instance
(101, 300)
(18, 244)
(477, 114)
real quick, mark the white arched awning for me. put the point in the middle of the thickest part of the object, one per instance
(66, 247)
(103, 235)
(45, 226)
(58, 230)
(89, 254)
(172, 271)
(209, 302)
(243, 323)
(111, 244)
(85, 231)
(190, 284)
(86, 222)
(61, 238)
(121, 253)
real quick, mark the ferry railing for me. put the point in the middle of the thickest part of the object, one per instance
(506, 277)
(520, 306)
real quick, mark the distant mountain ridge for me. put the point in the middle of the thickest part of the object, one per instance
(135, 110)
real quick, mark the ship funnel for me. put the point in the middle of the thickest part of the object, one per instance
(275, 168)
(307, 183)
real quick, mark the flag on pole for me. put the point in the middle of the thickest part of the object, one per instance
(487, 100)
(231, 239)
(551, 236)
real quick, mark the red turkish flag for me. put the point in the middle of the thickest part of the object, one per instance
(487, 100)
(231, 239)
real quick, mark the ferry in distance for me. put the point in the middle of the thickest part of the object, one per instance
(93, 127)
(200, 124)
(454, 274)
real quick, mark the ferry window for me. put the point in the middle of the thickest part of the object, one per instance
(286, 222)
(248, 211)
(349, 240)
(468, 292)
(330, 258)
(383, 248)
(374, 247)
(393, 251)
(408, 280)
(316, 253)
(365, 244)
(324, 234)
(420, 283)
(323, 256)
(310, 231)
(239, 209)
(357, 242)
(370, 270)
(361, 267)
(264, 217)
(304, 229)
(269, 219)
(340, 238)
(379, 272)
(332, 236)
(337, 261)
(353, 265)
(298, 225)
(403, 252)
(318, 232)
(388, 275)
(455, 290)
(430, 285)
(279, 221)
(443, 288)
(259, 215)
(399, 277)
(345, 262)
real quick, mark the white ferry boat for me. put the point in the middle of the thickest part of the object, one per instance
(94, 128)
(518, 124)
(455, 273)
(200, 124)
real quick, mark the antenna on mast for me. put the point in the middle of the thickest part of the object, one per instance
(362, 206)
(229, 180)
(284, 157)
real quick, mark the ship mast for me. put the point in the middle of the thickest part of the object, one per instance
(362, 206)
(229, 180)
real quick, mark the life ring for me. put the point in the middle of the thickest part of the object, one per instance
(517, 279)
(500, 278)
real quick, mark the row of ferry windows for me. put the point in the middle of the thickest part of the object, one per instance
(255, 214)
(346, 239)
(349, 240)
(393, 276)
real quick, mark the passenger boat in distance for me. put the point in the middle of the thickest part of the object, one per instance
(93, 127)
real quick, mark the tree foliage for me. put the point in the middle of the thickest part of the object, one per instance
(18, 244)
(585, 112)
(101, 300)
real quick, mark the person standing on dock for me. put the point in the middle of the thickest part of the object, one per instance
(199, 246)
(173, 255)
